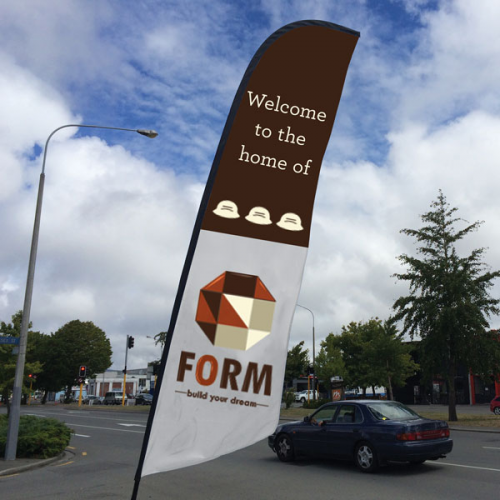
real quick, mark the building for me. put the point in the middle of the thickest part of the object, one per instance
(137, 381)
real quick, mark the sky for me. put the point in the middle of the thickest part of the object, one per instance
(420, 112)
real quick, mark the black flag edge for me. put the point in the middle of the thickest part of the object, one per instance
(201, 213)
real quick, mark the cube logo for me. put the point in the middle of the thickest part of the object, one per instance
(235, 310)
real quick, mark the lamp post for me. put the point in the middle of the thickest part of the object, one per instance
(15, 410)
(314, 354)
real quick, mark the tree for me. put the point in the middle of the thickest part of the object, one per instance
(297, 363)
(74, 344)
(8, 360)
(449, 300)
(356, 365)
(391, 361)
(329, 362)
(373, 355)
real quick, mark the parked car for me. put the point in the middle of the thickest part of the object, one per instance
(495, 405)
(114, 398)
(302, 396)
(369, 432)
(96, 400)
(143, 399)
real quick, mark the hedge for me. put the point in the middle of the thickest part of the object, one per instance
(37, 438)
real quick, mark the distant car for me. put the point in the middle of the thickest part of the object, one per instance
(302, 396)
(372, 433)
(114, 398)
(144, 399)
(495, 405)
(96, 400)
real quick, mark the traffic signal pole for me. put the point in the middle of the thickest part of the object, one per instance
(82, 373)
(125, 371)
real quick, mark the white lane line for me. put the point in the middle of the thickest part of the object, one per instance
(132, 425)
(81, 435)
(491, 447)
(463, 466)
(103, 428)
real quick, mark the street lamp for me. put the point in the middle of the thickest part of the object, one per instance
(314, 354)
(15, 411)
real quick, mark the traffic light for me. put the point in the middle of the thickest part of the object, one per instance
(130, 342)
(83, 371)
(30, 375)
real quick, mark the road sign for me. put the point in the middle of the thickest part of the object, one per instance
(336, 395)
(9, 340)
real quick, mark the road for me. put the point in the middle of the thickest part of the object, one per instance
(105, 452)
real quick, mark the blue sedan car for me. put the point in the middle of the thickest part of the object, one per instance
(370, 432)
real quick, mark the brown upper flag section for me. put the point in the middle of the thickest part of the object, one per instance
(266, 180)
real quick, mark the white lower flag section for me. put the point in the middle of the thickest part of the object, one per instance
(224, 378)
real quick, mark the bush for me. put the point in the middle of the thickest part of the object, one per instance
(288, 398)
(38, 437)
(312, 405)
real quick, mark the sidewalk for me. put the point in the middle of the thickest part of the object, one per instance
(12, 467)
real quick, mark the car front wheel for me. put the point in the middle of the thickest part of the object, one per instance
(365, 457)
(284, 448)
(497, 410)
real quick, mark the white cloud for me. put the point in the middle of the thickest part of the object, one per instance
(420, 112)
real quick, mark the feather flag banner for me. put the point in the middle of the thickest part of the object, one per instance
(221, 378)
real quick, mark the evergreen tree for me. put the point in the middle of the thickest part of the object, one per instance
(449, 300)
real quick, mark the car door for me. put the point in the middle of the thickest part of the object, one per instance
(309, 437)
(342, 433)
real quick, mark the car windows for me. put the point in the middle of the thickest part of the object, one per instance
(349, 414)
(392, 411)
(325, 414)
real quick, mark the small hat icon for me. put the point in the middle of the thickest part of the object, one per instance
(259, 215)
(227, 209)
(290, 222)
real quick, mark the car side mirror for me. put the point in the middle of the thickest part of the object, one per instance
(307, 419)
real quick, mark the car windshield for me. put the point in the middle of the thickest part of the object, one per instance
(392, 411)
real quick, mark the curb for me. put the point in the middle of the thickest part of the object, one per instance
(475, 429)
(41, 463)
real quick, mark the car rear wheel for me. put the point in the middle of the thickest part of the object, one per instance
(365, 457)
(497, 410)
(284, 448)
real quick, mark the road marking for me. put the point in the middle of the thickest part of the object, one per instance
(464, 466)
(67, 463)
(103, 428)
(133, 425)
(10, 475)
(491, 447)
(81, 436)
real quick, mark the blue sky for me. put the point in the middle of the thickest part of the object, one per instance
(420, 112)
